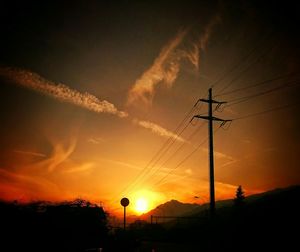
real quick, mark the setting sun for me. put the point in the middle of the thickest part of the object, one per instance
(141, 205)
(144, 200)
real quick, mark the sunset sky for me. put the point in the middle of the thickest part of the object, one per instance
(91, 91)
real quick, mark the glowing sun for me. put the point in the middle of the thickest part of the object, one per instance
(141, 205)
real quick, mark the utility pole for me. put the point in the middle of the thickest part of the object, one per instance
(210, 119)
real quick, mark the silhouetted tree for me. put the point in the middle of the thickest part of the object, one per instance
(239, 196)
(43, 226)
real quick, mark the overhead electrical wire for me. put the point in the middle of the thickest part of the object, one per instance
(158, 154)
(177, 150)
(183, 161)
(215, 131)
(257, 84)
(266, 111)
(151, 167)
(249, 97)
(242, 60)
(173, 140)
(261, 56)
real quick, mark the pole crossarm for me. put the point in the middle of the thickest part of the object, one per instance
(211, 118)
(212, 101)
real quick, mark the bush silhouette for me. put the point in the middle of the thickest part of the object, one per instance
(41, 226)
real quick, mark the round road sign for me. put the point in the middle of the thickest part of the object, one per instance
(124, 202)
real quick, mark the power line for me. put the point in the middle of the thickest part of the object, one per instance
(178, 149)
(162, 151)
(158, 153)
(151, 167)
(261, 56)
(257, 84)
(215, 131)
(249, 97)
(144, 176)
(266, 111)
(166, 149)
(184, 160)
(237, 65)
(181, 162)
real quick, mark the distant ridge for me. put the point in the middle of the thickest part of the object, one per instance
(172, 208)
(177, 208)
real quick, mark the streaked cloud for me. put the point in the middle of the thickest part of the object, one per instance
(246, 141)
(166, 67)
(200, 43)
(59, 91)
(188, 171)
(26, 187)
(95, 140)
(42, 178)
(218, 154)
(87, 167)
(128, 165)
(164, 70)
(61, 152)
(177, 188)
(229, 163)
(30, 153)
(157, 129)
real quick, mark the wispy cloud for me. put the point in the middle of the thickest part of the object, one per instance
(166, 67)
(30, 153)
(61, 152)
(87, 167)
(42, 178)
(200, 43)
(28, 187)
(218, 154)
(157, 129)
(246, 141)
(187, 187)
(59, 91)
(229, 163)
(135, 167)
(64, 93)
(95, 140)
(188, 171)
(164, 70)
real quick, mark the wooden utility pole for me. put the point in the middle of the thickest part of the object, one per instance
(210, 119)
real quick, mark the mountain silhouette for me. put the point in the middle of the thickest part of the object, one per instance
(172, 208)
(266, 221)
(177, 208)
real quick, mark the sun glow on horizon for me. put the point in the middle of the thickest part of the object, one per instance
(142, 201)
(141, 205)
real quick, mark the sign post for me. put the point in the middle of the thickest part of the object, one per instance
(124, 203)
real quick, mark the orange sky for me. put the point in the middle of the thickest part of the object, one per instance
(82, 116)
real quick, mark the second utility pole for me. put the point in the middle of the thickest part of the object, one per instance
(210, 119)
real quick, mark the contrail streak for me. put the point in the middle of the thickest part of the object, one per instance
(157, 129)
(59, 91)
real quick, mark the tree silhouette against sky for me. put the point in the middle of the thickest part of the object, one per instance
(239, 196)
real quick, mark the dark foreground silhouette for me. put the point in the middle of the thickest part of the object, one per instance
(267, 221)
(41, 226)
(261, 222)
